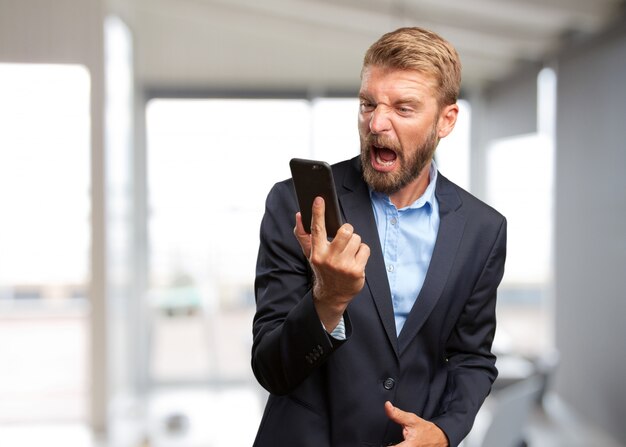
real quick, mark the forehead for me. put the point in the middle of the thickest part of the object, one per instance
(377, 80)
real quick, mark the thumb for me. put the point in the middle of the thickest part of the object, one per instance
(397, 415)
(303, 237)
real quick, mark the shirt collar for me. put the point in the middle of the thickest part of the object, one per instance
(428, 197)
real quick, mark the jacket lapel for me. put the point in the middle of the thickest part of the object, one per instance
(449, 236)
(357, 208)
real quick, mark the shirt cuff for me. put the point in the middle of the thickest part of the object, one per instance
(339, 333)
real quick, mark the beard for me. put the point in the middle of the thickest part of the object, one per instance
(409, 165)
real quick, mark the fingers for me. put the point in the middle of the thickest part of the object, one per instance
(391, 411)
(345, 237)
(318, 227)
(398, 416)
(298, 230)
(348, 241)
(363, 255)
(318, 224)
(346, 255)
(302, 236)
(415, 430)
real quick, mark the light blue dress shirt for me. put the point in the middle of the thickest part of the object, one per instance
(407, 237)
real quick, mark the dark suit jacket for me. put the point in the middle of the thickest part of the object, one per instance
(329, 393)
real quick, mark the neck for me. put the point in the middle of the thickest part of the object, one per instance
(413, 191)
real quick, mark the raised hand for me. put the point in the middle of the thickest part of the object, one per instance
(338, 266)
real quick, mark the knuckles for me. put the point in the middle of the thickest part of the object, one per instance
(340, 261)
(348, 269)
(347, 230)
(317, 229)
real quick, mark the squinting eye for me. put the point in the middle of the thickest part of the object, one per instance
(367, 107)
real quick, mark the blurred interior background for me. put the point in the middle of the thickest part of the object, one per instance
(139, 138)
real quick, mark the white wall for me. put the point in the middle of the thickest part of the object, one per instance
(504, 110)
(590, 215)
(591, 231)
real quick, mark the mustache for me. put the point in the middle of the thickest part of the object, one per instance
(381, 141)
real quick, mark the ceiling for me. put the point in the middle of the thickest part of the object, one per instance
(318, 45)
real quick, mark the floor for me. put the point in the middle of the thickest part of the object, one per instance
(51, 409)
(190, 417)
(199, 418)
(556, 426)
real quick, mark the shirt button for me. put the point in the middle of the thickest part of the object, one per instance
(389, 383)
(390, 268)
(394, 221)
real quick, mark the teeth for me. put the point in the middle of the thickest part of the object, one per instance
(383, 162)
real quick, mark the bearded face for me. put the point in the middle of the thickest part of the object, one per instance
(400, 124)
(383, 150)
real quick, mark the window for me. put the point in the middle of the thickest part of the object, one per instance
(520, 177)
(44, 242)
(211, 164)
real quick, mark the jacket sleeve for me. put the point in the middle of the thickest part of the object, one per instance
(289, 341)
(471, 364)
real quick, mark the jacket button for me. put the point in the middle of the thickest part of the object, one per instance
(389, 383)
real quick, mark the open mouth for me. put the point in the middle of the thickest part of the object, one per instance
(383, 156)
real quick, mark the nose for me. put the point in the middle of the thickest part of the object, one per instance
(379, 120)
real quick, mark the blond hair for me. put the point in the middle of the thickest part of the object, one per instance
(421, 50)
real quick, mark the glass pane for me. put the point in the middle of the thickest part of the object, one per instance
(44, 242)
(335, 132)
(211, 164)
(523, 295)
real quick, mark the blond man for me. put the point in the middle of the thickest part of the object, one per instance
(382, 335)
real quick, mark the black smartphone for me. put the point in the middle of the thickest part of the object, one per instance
(311, 179)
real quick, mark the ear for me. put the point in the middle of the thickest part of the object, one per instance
(447, 120)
